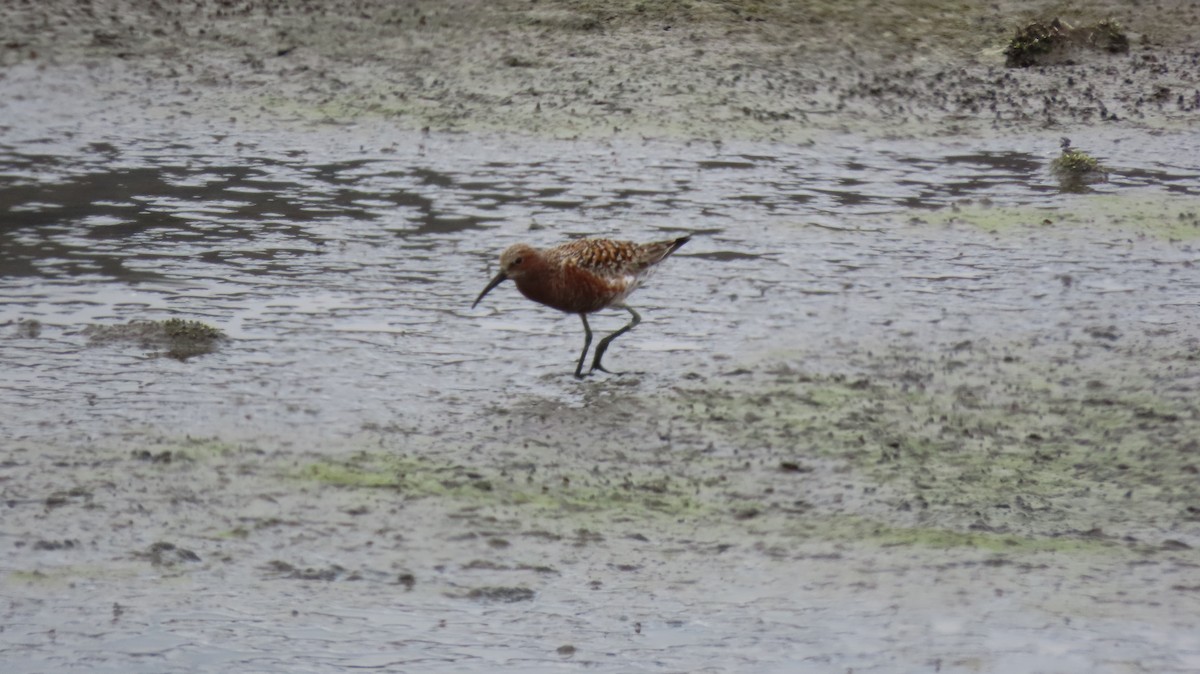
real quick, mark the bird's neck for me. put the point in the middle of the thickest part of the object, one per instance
(540, 282)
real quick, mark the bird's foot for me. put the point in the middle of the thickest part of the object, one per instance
(618, 374)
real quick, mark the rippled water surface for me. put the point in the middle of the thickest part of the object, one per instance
(342, 261)
(343, 264)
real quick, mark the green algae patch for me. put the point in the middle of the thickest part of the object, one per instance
(825, 412)
(989, 218)
(54, 578)
(978, 446)
(363, 472)
(61, 577)
(853, 528)
(949, 26)
(555, 492)
(189, 450)
(1168, 217)
(174, 337)
(1165, 217)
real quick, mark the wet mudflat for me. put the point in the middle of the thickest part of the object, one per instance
(902, 405)
(943, 413)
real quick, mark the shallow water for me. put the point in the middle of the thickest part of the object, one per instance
(340, 267)
(342, 262)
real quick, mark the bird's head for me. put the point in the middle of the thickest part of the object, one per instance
(515, 262)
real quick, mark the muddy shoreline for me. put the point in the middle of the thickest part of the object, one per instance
(684, 71)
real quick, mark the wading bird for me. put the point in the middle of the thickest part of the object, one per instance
(582, 277)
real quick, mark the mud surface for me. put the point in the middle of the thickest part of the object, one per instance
(903, 404)
(575, 68)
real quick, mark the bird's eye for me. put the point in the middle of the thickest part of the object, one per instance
(518, 260)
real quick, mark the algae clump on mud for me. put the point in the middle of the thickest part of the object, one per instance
(174, 337)
(1076, 169)
(1055, 42)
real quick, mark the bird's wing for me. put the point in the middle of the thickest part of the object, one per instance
(603, 257)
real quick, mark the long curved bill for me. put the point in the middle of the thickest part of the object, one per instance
(499, 278)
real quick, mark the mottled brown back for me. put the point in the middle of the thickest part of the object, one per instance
(605, 257)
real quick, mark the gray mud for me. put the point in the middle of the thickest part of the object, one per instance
(903, 404)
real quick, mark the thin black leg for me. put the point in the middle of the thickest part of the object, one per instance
(603, 346)
(587, 341)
